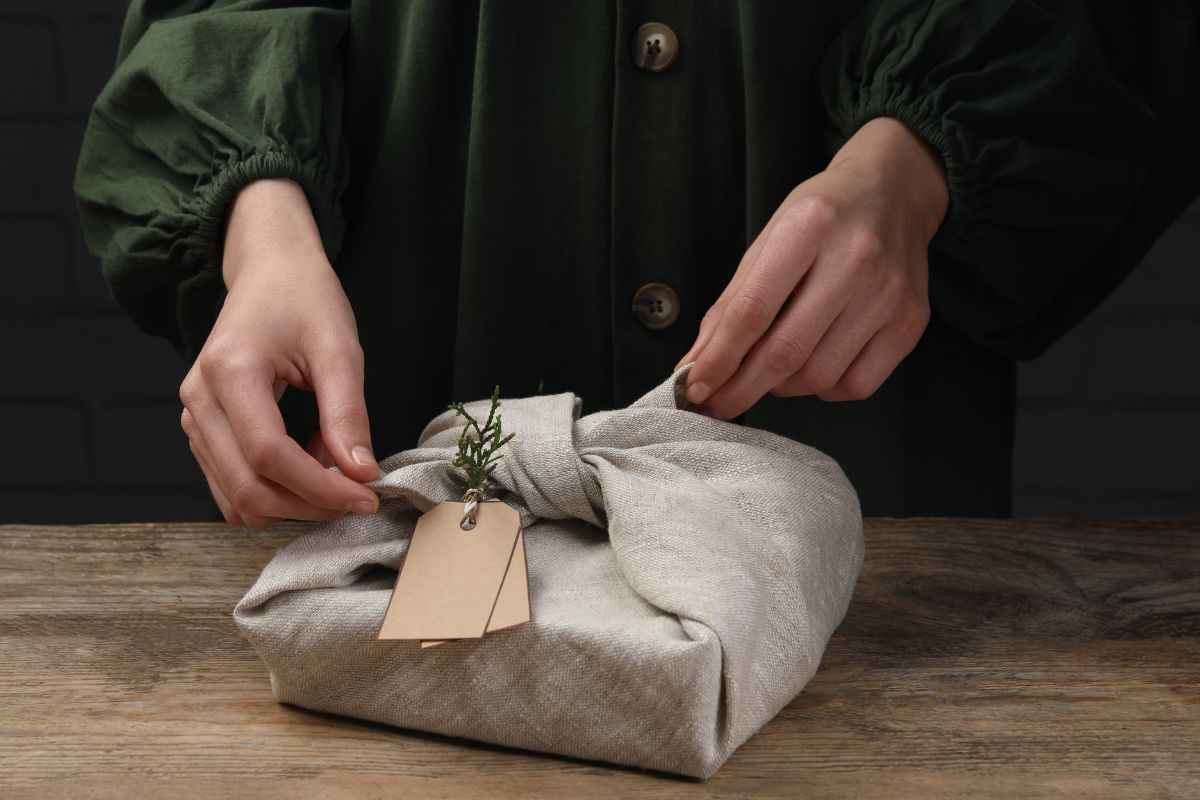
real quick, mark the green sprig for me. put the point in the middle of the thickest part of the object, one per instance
(477, 456)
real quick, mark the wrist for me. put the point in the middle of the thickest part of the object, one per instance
(905, 165)
(268, 218)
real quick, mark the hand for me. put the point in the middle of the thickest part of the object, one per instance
(286, 320)
(833, 293)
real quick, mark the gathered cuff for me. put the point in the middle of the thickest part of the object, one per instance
(204, 246)
(924, 121)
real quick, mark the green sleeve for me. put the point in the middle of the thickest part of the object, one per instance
(1050, 121)
(206, 97)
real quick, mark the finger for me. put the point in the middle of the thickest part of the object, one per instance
(252, 493)
(811, 213)
(874, 364)
(244, 397)
(786, 255)
(799, 340)
(709, 321)
(261, 503)
(200, 451)
(227, 510)
(344, 426)
(316, 448)
(706, 325)
(837, 349)
(752, 254)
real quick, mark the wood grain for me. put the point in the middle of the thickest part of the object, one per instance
(979, 658)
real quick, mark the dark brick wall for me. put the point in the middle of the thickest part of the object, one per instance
(1109, 419)
(89, 411)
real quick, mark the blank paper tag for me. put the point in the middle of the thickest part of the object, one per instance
(449, 586)
(512, 604)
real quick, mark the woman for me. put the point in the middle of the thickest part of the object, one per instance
(853, 218)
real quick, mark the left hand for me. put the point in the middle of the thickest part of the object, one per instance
(833, 293)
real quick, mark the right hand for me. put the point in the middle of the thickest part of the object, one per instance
(285, 321)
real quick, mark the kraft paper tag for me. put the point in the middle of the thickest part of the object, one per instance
(453, 582)
(512, 604)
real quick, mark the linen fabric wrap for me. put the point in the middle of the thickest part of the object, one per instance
(685, 575)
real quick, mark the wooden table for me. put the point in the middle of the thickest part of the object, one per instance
(979, 658)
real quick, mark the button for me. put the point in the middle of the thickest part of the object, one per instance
(654, 47)
(656, 305)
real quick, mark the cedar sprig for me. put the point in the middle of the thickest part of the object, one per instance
(477, 456)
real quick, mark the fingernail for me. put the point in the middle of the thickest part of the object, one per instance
(362, 456)
(697, 392)
(361, 507)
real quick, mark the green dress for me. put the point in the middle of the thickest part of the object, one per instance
(494, 181)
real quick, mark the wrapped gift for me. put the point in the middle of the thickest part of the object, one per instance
(684, 576)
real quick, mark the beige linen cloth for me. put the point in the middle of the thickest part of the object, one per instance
(685, 575)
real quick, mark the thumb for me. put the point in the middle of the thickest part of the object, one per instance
(342, 409)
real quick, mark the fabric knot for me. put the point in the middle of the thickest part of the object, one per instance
(540, 468)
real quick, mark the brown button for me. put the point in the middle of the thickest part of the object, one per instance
(656, 305)
(654, 47)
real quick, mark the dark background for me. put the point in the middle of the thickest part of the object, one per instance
(1109, 419)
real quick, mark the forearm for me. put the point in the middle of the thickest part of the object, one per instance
(270, 215)
(886, 149)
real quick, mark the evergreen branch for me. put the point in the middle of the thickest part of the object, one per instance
(477, 456)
